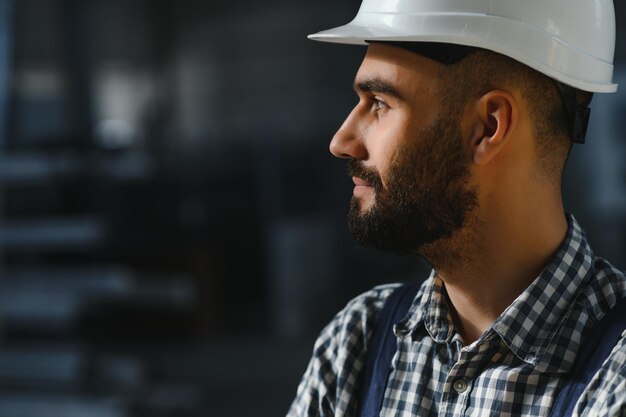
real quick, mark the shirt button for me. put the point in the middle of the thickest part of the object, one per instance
(460, 386)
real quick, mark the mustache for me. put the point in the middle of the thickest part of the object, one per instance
(370, 175)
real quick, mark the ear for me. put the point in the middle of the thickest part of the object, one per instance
(496, 116)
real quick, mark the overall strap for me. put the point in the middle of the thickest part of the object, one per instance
(594, 350)
(381, 348)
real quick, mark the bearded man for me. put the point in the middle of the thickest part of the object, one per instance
(467, 112)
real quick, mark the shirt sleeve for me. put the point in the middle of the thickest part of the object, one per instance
(331, 378)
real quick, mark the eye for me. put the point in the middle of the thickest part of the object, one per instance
(378, 104)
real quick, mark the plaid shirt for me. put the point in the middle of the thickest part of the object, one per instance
(513, 369)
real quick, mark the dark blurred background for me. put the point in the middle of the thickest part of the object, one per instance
(172, 228)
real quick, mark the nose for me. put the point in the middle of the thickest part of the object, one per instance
(348, 140)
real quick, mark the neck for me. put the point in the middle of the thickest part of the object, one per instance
(488, 264)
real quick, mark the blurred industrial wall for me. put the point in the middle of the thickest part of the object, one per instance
(172, 226)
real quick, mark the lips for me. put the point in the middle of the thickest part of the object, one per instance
(366, 179)
(359, 182)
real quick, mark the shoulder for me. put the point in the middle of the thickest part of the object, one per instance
(330, 379)
(343, 341)
(604, 397)
(359, 315)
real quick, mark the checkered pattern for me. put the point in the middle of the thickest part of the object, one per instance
(512, 370)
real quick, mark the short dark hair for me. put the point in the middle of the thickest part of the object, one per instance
(483, 70)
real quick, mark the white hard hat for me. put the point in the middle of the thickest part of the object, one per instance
(571, 41)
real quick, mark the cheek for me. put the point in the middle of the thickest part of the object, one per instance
(383, 149)
(391, 132)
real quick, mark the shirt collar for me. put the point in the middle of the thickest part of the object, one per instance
(430, 308)
(530, 323)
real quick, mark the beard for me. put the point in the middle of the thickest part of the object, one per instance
(426, 198)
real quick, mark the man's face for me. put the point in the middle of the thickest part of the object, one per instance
(407, 155)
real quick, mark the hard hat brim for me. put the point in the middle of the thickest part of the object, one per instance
(534, 47)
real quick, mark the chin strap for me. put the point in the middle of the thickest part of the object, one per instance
(578, 115)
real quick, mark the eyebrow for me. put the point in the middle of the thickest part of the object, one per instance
(377, 85)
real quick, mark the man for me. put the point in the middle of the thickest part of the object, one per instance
(467, 111)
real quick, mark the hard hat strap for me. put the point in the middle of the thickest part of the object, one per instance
(577, 114)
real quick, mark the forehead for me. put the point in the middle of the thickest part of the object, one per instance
(407, 71)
